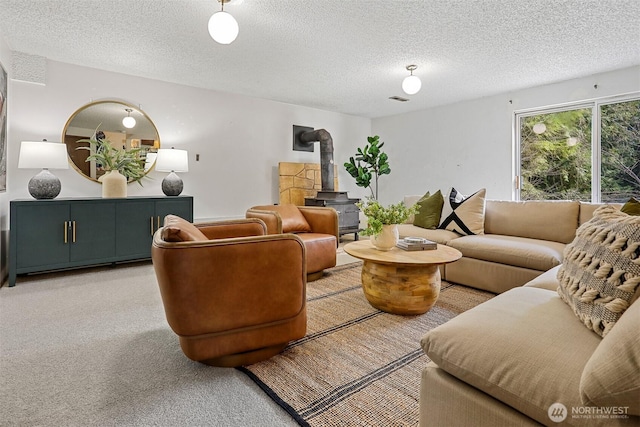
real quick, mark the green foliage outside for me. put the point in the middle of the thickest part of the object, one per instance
(556, 163)
(620, 151)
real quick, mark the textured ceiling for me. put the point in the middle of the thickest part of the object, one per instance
(346, 56)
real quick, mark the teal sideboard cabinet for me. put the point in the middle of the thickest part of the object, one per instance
(57, 234)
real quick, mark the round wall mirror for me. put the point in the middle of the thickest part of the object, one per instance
(125, 126)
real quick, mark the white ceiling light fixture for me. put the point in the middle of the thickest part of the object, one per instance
(411, 84)
(128, 121)
(223, 27)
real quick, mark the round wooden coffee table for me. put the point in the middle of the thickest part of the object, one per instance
(399, 281)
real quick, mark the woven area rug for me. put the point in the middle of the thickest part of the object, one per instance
(357, 366)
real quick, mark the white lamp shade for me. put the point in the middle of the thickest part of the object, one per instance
(172, 160)
(39, 155)
(411, 85)
(128, 122)
(223, 27)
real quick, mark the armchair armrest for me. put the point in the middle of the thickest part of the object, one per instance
(321, 220)
(233, 228)
(272, 219)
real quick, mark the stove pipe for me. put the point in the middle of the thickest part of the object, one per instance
(326, 155)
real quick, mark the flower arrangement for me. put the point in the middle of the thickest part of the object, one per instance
(378, 215)
(127, 162)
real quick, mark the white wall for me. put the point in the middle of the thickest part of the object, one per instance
(469, 145)
(240, 139)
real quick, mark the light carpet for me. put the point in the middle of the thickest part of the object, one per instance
(92, 348)
(357, 366)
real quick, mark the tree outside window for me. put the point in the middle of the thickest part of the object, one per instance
(557, 154)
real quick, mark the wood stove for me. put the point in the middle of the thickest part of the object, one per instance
(348, 212)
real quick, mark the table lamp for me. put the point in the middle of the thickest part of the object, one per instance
(45, 155)
(172, 160)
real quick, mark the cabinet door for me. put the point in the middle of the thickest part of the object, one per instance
(182, 207)
(94, 231)
(41, 235)
(135, 225)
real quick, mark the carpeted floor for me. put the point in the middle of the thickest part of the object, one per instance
(92, 347)
(357, 366)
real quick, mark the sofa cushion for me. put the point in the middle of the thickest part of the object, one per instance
(547, 280)
(517, 251)
(600, 275)
(463, 214)
(439, 236)
(587, 209)
(533, 219)
(632, 207)
(611, 376)
(409, 201)
(177, 229)
(429, 211)
(524, 347)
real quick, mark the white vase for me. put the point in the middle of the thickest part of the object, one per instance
(387, 238)
(114, 184)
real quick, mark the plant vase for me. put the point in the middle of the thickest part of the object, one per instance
(114, 184)
(387, 238)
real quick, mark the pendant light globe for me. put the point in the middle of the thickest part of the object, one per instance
(223, 27)
(411, 84)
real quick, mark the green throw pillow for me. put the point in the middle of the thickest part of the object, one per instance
(429, 210)
(632, 207)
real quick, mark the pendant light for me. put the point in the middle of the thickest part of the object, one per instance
(223, 27)
(128, 121)
(411, 84)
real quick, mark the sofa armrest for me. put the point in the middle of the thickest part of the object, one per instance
(322, 220)
(271, 219)
(232, 228)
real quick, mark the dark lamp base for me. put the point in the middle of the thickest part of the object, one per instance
(172, 185)
(44, 185)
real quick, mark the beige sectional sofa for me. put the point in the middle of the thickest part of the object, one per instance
(513, 359)
(521, 240)
(524, 358)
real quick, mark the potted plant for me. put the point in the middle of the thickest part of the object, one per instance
(121, 166)
(369, 163)
(366, 167)
(382, 222)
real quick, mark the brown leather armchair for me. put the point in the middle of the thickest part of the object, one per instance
(232, 294)
(316, 226)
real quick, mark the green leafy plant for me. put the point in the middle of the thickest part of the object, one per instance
(127, 162)
(368, 164)
(378, 215)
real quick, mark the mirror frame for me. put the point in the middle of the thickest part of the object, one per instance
(124, 105)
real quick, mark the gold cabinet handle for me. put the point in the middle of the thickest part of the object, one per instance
(73, 231)
(66, 231)
(151, 218)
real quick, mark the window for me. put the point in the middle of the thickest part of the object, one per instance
(587, 152)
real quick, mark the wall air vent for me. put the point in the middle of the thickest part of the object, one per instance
(398, 98)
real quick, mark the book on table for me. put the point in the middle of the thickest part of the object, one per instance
(416, 244)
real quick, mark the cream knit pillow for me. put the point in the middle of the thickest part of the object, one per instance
(600, 274)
